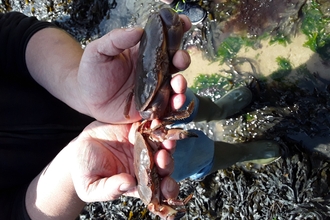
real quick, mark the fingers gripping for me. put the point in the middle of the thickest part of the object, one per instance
(118, 40)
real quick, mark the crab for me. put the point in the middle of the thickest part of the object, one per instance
(161, 39)
(147, 143)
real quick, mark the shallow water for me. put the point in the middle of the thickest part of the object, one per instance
(290, 107)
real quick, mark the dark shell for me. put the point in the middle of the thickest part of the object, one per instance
(152, 63)
(161, 39)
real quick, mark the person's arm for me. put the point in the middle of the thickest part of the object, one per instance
(98, 80)
(96, 166)
(51, 195)
(52, 58)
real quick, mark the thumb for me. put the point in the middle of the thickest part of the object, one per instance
(108, 188)
(118, 40)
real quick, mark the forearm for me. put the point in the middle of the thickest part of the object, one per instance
(52, 58)
(51, 195)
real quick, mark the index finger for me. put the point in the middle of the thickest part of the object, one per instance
(117, 40)
(185, 22)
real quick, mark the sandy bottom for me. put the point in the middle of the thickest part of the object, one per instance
(265, 58)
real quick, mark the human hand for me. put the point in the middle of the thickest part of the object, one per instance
(102, 168)
(106, 75)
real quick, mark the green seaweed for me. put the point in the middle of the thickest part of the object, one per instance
(284, 63)
(204, 81)
(250, 117)
(229, 48)
(216, 85)
(284, 69)
(316, 27)
(279, 38)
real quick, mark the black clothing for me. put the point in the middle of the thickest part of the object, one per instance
(34, 126)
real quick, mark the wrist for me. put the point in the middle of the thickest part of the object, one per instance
(51, 195)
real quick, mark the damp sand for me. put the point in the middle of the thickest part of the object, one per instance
(264, 58)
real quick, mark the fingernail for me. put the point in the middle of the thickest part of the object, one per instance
(130, 29)
(125, 187)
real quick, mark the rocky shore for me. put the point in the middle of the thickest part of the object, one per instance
(295, 115)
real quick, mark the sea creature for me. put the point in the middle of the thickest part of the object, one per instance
(161, 39)
(147, 141)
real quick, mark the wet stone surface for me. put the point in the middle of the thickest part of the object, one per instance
(294, 114)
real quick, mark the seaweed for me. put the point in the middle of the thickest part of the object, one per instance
(5, 6)
(279, 38)
(283, 70)
(229, 48)
(315, 26)
(204, 81)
